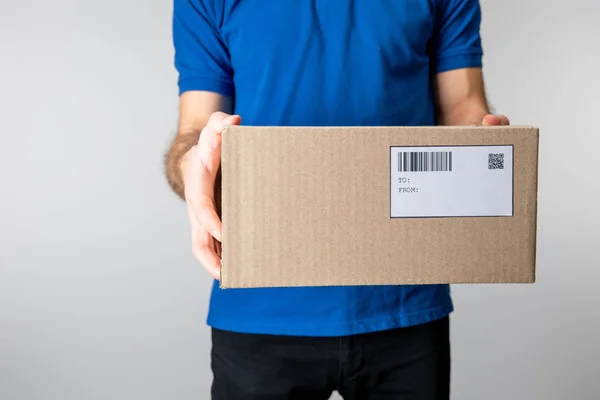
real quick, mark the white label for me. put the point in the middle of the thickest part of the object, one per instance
(451, 181)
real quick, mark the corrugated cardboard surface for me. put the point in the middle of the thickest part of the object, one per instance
(310, 206)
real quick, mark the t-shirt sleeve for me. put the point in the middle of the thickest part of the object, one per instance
(456, 42)
(201, 57)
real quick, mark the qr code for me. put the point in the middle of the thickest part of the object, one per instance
(496, 161)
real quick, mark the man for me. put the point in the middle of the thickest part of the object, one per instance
(320, 62)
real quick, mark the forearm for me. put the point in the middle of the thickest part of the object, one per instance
(177, 157)
(460, 97)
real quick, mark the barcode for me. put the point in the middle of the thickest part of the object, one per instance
(425, 161)
(496, 161)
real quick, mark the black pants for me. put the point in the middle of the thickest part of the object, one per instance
(406, 363)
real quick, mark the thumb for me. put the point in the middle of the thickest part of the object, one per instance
(491, 120)
(232, 120)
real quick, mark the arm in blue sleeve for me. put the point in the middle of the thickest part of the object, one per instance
(201, 57)
(456, 42)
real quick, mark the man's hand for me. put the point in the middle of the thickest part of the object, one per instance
(199, 170)
(490, 119)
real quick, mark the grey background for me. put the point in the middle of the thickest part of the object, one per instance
(100, 297)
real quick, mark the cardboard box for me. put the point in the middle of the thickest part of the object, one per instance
(317, 206)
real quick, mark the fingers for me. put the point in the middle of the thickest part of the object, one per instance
(202, 183)
(200, 196)
(206, 255)
(490, 120)
(207, 217)
(203, 248)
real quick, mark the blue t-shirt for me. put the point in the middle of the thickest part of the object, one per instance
(325, 63)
